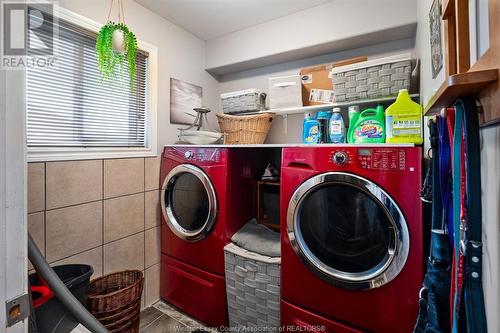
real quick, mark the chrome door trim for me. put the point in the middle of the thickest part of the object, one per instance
(379, 275)
(168, 213)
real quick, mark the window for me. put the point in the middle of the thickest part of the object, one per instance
(70, 110)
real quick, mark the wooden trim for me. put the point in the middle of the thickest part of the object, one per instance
(448, 9)
(462, 35)
(450, 52)
(459, 85)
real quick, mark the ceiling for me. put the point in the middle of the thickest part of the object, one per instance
(209, 19)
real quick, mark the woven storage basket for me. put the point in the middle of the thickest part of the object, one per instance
(245, 129)
(371, 79)
(115, 300)
(249, 100)
(252, 288)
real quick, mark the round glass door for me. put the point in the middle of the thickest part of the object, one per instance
(348, 230)
(188, 202)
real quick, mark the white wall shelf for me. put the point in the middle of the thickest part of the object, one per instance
(315, 108)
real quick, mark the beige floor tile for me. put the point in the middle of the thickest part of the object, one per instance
(36, 187)
(152, 206)
(152, 173)
(123, 216)
(73, 229)
(73, 182)
(123, 176)
(153, 252)
(36, 228)
(152, 284)
(91, 257)
(123, 254)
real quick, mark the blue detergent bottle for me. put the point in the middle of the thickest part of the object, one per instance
(310, 132)
(337, 127)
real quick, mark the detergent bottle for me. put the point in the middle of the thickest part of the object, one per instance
(310, 132)
(337, 128)
(353, 113)
(403, 120)
(369, 126)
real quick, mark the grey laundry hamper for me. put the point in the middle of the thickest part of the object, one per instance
(253, 289)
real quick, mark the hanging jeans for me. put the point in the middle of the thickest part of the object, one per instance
(434, 312)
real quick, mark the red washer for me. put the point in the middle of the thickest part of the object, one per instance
(351, 227)
(197, 187)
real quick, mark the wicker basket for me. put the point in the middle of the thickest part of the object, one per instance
(250, 100)
(253, 288)
(115, 300)
(371, 79)
(251, 129)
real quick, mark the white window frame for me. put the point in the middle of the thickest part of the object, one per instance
(45, 154)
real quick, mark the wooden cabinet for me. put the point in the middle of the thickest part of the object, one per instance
(479, 80)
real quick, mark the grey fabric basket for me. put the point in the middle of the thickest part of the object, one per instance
(243, 101)
(372, 81)
(253, 288)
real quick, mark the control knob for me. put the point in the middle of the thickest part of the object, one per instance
(188, 154)
(340, 158)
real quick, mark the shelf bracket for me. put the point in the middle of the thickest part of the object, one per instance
(285, 123)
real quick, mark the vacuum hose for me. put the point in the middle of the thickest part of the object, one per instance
(62, 293)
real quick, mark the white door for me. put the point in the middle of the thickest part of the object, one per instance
(13, 225)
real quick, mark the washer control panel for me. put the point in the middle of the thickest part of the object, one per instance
(382, 159)
(388, 159)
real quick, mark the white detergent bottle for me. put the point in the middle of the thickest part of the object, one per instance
(337, 127)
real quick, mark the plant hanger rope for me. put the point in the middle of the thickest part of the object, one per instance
(121, 12)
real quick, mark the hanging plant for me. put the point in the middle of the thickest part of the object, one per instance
(116, 46)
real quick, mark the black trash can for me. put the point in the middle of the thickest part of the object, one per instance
(51, 315)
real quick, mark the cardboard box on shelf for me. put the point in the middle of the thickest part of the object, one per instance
(317, 87)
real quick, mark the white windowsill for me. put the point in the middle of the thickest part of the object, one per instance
(35, 155)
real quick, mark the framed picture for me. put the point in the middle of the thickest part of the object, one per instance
(435, 33)
(184, 97)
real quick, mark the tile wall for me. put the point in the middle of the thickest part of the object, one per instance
(104, 213)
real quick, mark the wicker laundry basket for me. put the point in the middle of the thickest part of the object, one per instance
(250, 129)
(253, 289)
(115, 300)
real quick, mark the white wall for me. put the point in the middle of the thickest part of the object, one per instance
(180, 55)
(331, 27)
(490, 188)
(490, 179)
(290, 130)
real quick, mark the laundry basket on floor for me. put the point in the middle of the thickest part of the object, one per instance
(115, 300)
(253, 288)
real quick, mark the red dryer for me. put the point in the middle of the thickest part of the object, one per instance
(351, 227)
(197, 189)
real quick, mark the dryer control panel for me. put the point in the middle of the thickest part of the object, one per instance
(202, 156)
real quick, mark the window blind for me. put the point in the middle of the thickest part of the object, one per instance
(70, 105)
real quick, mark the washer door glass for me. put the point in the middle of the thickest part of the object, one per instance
(189, 202)
(345, 228)
(348, 230)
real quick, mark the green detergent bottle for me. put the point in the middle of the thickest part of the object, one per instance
(403, 120)
(367, 126)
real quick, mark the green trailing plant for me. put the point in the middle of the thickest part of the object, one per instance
(111, 62)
